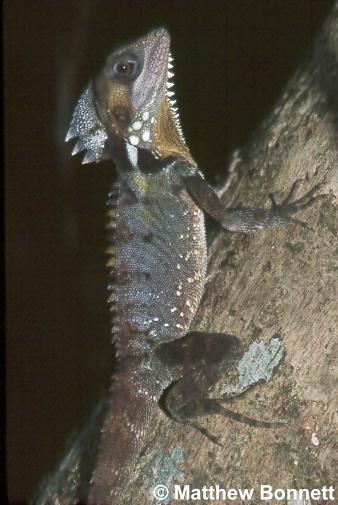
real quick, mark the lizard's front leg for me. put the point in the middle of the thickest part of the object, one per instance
(198, 360)
(252, 219)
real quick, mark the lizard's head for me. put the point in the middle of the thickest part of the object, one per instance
(131, 99)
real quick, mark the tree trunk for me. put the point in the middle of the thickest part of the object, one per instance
(281, 281)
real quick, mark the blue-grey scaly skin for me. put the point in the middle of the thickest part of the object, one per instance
(156, 257)
(159, 258)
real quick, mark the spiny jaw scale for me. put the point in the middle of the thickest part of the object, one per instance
(171, 97)
(170, 75)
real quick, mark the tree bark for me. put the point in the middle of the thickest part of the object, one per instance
(281, 281)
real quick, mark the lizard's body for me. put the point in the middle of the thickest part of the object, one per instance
(159, 258)
(157, 255)
(157, 263)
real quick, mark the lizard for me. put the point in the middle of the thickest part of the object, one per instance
(157, 255)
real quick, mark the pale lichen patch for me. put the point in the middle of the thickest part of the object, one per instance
(257, 364)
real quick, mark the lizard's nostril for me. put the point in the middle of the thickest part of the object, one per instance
(121, 114)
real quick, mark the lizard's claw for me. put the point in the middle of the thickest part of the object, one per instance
(274, 199)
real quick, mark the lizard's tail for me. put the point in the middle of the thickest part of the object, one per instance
(122, 438)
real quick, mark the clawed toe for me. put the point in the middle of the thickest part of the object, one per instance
(294, 188)
(210, 436)
(257, 423)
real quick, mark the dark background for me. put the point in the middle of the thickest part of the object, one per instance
(232, 59)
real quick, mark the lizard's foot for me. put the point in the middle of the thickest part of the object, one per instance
(210, 406)
(287, 208)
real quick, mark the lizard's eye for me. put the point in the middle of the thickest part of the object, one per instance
(125, 68)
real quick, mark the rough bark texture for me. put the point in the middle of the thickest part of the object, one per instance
(281, 281)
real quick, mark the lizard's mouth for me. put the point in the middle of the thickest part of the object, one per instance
(155, 118)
